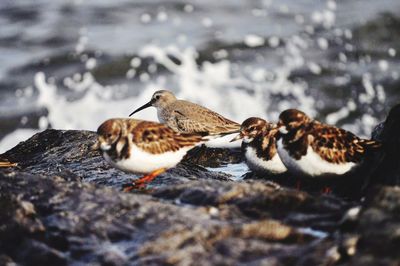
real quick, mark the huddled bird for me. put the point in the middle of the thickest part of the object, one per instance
(187, 117)
(310, 148)
(143, 147)
(259, 146)
(297, 144)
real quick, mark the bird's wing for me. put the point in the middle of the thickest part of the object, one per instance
(159, 138)
(269, 140)
(338, 146)
(195, 118)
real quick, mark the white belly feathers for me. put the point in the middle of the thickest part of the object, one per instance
(273, 166)
(312, 164)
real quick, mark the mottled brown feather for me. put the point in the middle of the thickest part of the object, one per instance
(158, 138)
(337, 145)
(333, 144)
(265, 144)
(296, 148)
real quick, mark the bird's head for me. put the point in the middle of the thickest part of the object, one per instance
(160, 99)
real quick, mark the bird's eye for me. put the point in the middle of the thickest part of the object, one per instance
(157, 97)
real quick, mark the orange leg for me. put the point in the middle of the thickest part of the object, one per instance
(142, 182)
(326, 190)
(7, 164)
(298, 185)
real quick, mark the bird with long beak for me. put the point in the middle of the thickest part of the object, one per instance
(259, 146)
(187, 117)
(310, 148)
(143, 147)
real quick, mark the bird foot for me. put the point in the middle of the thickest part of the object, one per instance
(326, 190)
(133, 186)
(141, 183)
(298, 185)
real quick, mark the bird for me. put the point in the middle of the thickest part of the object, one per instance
(310, 148)
(259, 146)
(143, 147)
(187, 117)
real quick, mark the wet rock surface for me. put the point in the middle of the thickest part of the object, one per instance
(63, 204)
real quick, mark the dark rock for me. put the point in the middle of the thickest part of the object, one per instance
(6, 260)
(34, 252)
(213, 157)
(387, 166)
(377, 239)
(55, 221)
(63, 205)
(51, 152)
(53, 216)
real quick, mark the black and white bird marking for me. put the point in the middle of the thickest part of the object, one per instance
(143, 147)
(259, 146)
(310, 148)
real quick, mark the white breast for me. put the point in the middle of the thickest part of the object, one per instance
(143, 162)
(312, 164)
(160, 116)
(273, 166)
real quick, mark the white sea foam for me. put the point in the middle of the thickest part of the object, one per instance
(252, 40)
(14, 138)
(211, 84)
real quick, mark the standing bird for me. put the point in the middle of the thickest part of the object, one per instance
(259, 146)
(310, 148)
(143, 147)
(186, 117)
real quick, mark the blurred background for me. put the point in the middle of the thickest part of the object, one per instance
(72, 64)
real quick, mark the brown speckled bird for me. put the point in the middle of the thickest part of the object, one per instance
(308, 147)
(186, 117)
(259, 146)
(143, 147)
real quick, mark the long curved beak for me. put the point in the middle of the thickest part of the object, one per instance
(149, 104)
(237, 137)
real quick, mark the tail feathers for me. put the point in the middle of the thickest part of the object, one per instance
(371, 145)
(234, 128)
(220, 135)
(207, 136)
(201, 137)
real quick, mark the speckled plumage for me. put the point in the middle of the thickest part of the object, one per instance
(125, 142)
(336, 147)
(186, 117)
(259, 146)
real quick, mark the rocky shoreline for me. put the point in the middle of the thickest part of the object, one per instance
(62, 205)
